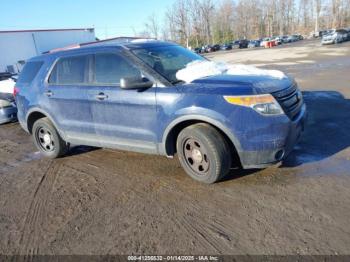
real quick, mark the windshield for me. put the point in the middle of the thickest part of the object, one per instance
(167, 60)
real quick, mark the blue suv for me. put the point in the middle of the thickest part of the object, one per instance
(127, 97)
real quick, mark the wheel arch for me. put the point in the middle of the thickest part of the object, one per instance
(36, 113)
(172, 131)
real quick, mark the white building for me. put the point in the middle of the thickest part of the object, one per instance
(17, 46)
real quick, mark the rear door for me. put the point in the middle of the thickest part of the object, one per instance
(67, 93)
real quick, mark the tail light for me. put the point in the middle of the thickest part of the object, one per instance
(15, 91)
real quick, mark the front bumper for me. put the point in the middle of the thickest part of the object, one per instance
(8, 114)
(264, 158)
(328, 42)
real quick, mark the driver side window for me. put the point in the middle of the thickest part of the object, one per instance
(109, 68)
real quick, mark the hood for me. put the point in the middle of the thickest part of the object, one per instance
(236, 85)
(329, 37)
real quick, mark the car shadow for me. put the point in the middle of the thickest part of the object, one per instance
(326, 130)
(77, 150)
(236, 173)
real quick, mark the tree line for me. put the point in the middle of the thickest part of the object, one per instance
(198, 22)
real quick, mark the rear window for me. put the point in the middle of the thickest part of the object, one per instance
(29, 72)
(71, 70)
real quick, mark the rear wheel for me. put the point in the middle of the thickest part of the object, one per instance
(47, 139)
(203, 153)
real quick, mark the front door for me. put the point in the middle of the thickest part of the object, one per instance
(123, 119)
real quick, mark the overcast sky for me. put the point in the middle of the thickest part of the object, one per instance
(110, 18)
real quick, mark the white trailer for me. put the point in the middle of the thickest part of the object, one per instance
(17, 46)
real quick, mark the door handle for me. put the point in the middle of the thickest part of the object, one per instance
(101, 96)
(48, 93)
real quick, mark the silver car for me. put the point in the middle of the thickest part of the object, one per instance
(8, 109)
(334, 37)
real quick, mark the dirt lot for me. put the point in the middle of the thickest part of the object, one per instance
(98, 201)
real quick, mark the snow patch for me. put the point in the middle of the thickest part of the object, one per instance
(199, 69)
(6, 86)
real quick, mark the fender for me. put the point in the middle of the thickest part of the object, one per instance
(217, 124)
(37, 109)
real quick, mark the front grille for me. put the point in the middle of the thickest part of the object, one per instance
(291, 100)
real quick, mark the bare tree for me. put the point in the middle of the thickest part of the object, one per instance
(199, 22)
(152, 26)
(317, 7)
(179, 21)
(207, 9)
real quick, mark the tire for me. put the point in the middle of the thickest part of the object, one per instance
(203, 153)
(47, 139)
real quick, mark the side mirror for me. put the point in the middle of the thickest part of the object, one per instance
(135, 83)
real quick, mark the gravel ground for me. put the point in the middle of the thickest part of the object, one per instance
(99, 201)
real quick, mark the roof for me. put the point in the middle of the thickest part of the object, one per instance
(48, 30)
(110, 39)
(145, 44)
(141, 43)
(126, 45)
(107, 41)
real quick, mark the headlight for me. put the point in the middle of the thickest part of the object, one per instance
(263, 104)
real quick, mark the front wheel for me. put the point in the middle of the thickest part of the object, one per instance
(203, 153)
(47, 139)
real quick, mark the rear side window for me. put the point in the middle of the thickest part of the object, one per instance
(110, 68)
(29, 72)
(71, 70)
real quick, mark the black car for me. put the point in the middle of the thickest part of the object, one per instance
(197, 50)
(216, 47)
(5, 75)
(243, 43)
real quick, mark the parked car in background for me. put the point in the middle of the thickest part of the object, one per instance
(330, 39)
(8, 109)
(292, 38)
(5, 75)
(226, 47)
(243, 43)
(300, 37)
(211, 48)
(235, 44)
(284, 39)
(216, 47)
(335, 37)
(207, 49)
(263, 42)
(254, 43)
(128, 97)
(318, 34)
(197, 50)
(348, 34)
(347, 38)
(278, 40)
